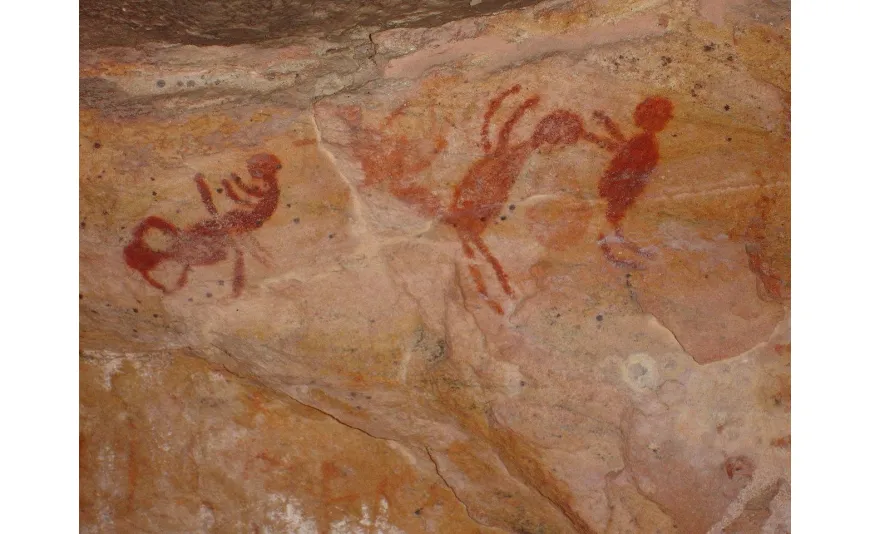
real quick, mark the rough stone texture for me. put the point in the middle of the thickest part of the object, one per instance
(213, 452)
(200, 22)
(365, 367)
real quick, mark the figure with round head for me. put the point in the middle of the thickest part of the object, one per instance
(480, 195)
(653, 114)
(483, 191)
(210, 240)
(628, 173)
(263, 166)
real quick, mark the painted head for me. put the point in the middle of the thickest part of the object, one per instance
(558, 128)
(263, 166)
(653, 113)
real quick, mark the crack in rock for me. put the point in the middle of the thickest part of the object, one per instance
(452, 490)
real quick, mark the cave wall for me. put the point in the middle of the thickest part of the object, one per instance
(512, 271)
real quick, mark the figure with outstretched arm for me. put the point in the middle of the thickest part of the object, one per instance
(628, 173)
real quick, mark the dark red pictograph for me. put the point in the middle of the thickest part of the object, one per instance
(629, 171)
(208, 242)
(481, 194)
(484, 189)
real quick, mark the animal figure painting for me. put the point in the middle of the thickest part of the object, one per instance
(209, 241)
(483, 190)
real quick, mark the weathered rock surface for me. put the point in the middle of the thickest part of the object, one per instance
(201, 22)
(526, 272)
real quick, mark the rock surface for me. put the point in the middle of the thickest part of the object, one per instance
(230, 22)
(525, 272)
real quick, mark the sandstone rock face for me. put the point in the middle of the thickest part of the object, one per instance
(525, 272)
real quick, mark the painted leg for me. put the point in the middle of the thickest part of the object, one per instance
(634, 247)
(465, 237)
(499, 271)
(258, 252)
(182, 280)
(481, 289)
(466, 246)
(148, 278)
(604, 243)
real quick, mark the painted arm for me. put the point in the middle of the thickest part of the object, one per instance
(603, 142)
(494, 104)
(253, 191)
(609, 125)
(205, 194)
(505, 133)
(232, 194)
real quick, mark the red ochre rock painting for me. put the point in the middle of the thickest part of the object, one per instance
(629, 171)
(484, 189)
(208, 242)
